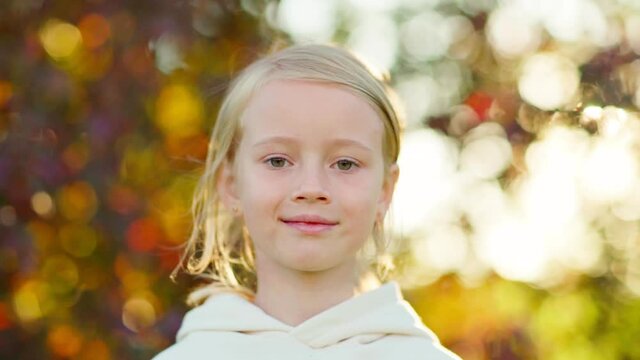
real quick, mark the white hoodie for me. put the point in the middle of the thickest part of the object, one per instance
(377, 324)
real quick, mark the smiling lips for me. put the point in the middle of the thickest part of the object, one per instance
(309, 224)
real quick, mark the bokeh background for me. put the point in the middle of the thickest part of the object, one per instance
(516, 218)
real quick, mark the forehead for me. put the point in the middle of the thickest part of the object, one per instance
(311, 110)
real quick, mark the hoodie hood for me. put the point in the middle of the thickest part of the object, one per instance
(368, 316)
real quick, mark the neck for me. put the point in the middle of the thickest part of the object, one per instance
(295, 296)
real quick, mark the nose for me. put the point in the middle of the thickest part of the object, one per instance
(311, 187)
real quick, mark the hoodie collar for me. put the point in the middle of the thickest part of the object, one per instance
(371, 315)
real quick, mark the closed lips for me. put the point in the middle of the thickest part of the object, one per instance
(309, 219)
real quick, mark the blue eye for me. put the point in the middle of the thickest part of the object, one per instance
(277, 162)
(345, 165)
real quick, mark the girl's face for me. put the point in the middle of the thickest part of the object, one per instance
(308, 175)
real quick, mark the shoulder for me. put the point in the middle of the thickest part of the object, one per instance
(182, 350)
(417, 347)
(199, 345)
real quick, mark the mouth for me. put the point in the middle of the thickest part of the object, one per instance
(309, 224)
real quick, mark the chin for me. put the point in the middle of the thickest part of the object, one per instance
(314, 263)
(307, 266)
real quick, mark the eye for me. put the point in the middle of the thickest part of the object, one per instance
(345, 164)
(277, 162)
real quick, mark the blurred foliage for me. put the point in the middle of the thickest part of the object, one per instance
(105, 108)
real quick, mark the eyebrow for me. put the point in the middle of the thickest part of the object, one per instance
(289, 140)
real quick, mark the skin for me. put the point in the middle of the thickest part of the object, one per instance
(307, 148)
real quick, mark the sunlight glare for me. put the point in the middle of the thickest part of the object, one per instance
(548, 81)
(308, 20)
(486, 156)
(514, 250)
(610, 171)
(446, 248)
(426, 187)
(375, 38)
(512, 32)
(426, 25)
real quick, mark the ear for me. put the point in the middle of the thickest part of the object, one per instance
(388, 187)
(226, 185)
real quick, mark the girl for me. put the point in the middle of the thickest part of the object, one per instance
(299, 175)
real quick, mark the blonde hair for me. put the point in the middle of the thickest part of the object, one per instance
(219, 248)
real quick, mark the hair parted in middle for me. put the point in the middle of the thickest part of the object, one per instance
(219, 248)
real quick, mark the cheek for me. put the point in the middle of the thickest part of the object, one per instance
(260, 190)
(256, 194)
(365, 187)
(246, 175)
(360, 200)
